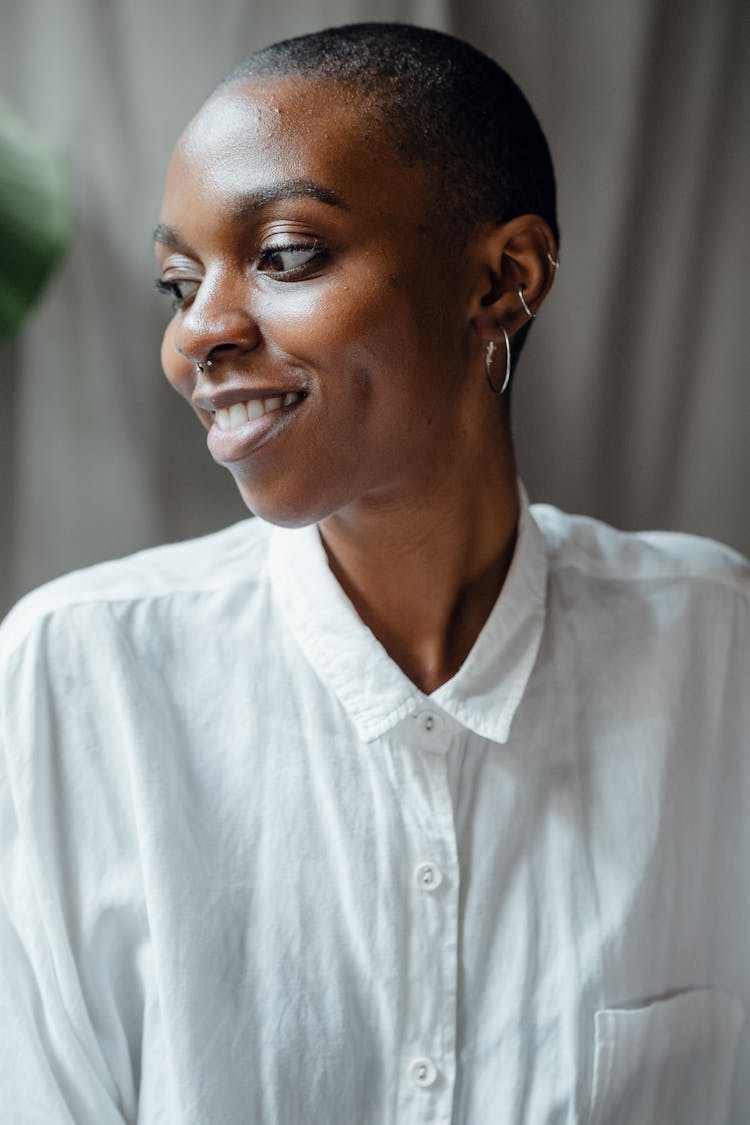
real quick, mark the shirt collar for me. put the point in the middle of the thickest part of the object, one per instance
(484, 694)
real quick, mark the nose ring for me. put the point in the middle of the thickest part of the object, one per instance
(201, 367)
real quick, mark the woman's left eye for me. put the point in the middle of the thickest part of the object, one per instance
(290, 258)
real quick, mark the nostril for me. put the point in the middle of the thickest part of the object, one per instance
(217, 351)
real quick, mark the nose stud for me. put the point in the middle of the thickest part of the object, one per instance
(201, 367)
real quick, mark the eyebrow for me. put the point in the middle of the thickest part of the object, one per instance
(255, 201)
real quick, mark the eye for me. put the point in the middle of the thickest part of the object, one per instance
(289, 258)
(179, 291)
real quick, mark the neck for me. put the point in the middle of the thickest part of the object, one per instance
(424, 570)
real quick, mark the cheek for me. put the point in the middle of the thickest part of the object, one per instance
(355, 332)
(178, 370)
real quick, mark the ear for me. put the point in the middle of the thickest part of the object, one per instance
(519, 255)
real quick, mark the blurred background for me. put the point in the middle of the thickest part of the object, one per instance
(633, 397)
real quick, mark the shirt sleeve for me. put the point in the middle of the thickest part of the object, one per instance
(67, 1055)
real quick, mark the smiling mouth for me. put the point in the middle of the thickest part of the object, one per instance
(229, 418)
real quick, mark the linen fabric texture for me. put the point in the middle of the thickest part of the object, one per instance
(250, 873)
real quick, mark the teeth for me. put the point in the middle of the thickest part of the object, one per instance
(229, 417)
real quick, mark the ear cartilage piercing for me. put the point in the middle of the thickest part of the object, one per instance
(526, 308)
(555, 261)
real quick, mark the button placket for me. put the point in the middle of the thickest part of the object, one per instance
(428, 1060)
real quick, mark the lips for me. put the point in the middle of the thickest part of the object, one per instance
(245, 426)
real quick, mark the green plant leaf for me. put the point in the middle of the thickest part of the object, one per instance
(35, 215)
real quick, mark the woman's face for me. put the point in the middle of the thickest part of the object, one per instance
(306, 267)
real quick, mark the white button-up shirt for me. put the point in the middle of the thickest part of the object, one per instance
(251, 874)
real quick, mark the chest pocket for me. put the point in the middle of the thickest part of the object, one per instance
(671, 1063)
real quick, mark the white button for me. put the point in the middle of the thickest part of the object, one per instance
(429, 722)
(428, 876)
(422, 1072)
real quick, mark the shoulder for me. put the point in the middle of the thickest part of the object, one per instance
(685, 590)
(602, 553)
(192, 569)
(657, 623)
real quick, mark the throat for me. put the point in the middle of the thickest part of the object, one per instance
(427, 625)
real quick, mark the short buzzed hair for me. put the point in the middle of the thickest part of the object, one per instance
(441, 103)
(444, 103)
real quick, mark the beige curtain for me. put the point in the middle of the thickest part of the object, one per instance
(633, 398)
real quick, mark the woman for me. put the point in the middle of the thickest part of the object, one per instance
(395, 804)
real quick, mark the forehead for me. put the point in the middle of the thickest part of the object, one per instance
(284, 128)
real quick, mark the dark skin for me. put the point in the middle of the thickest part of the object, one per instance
(307, 258)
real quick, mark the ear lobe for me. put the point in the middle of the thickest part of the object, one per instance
(518, 260)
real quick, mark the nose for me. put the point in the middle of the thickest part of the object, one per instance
(217, 323)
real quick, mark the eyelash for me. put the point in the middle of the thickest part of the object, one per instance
(316, 250)
(171, 289)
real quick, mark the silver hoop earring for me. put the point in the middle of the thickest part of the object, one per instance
(555, 261)
(531, 315)
(488, 363)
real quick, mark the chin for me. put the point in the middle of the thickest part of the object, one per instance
(284, 511)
